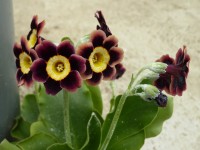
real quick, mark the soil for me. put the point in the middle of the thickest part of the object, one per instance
(146, 30)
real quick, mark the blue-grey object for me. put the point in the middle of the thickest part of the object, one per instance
(9, 97)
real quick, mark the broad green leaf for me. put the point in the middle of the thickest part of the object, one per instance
(96, 98)
(51, 118)
(134, 142)
(59, 146)
(163, 114)
(37, 142)
(67, 38)
(29, 108)
(21, 129)
(51, 115)
(93, 133)
(135, 116)
(5, 145)
(83, 40)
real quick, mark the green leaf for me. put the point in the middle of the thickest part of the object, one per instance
(29, 108)
(93, 133)
(21, 129)
(51, 115)
(96, 98)
(134, 142)
(84, 39)
(51, 118)
(135, 116)
(163, 114)
(59, 146)
(5, 145)
(67, 38)
(37, 142)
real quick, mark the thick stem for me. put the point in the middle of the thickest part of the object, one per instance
(114, 121)
(66, 102)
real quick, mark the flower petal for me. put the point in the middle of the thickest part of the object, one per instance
(178, 85)
(52, 86)
(116, 56)
(65, 48)
(95, 80)
(110, 41)
(33, 54)
(46, 50)
(28, 81)
(38, 69)
(34, 22)
(88, 72)
(120, 70)
(72, 81)
(40, 27)
(166, 59)
(85, 50)
(77, 63)
(109, 72)
(97, 37)
(17, 62)
(19, 75)
(163, 83)
(17, 50)
(24, 45)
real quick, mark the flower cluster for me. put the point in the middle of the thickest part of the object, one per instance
(65, 66)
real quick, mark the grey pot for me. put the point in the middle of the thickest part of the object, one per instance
(9, 98)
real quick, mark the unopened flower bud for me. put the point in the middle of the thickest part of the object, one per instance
(157, 67)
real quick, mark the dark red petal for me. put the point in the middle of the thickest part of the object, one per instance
(52, 86)
(116, 56)
(88, 72)
(85, 50)
(28, 81)
(72, 81)
(163, 83)
(110, 41)
(33, 54)
(166, 59)
(46, 50)
(178, 85)
(120, 70)
(24, 44)
(186, 65)
(19, 75)
(17, 62)
(38, 69)
(34, 22)
(77, 63)
(40, 27)
(109, 72)
(95, 80)
(97, 37)
(65, 48)
(17, 50)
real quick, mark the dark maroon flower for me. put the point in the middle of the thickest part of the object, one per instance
(33, 36)
(24, 58)
(58, 67)
(174, 80)
(102, 56)
(120, 70)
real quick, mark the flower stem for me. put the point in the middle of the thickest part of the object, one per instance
(118, 111)
(66, 102)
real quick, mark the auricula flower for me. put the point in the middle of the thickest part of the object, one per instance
(24, 58)
(173, 81)
(58, 67)
(102, 56)
(33, 36)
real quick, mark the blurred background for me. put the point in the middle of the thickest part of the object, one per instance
(146, 29)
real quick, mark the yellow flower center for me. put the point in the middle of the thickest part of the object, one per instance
(33, 39)
(99, 59)
(25, 62)
(58, 67)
